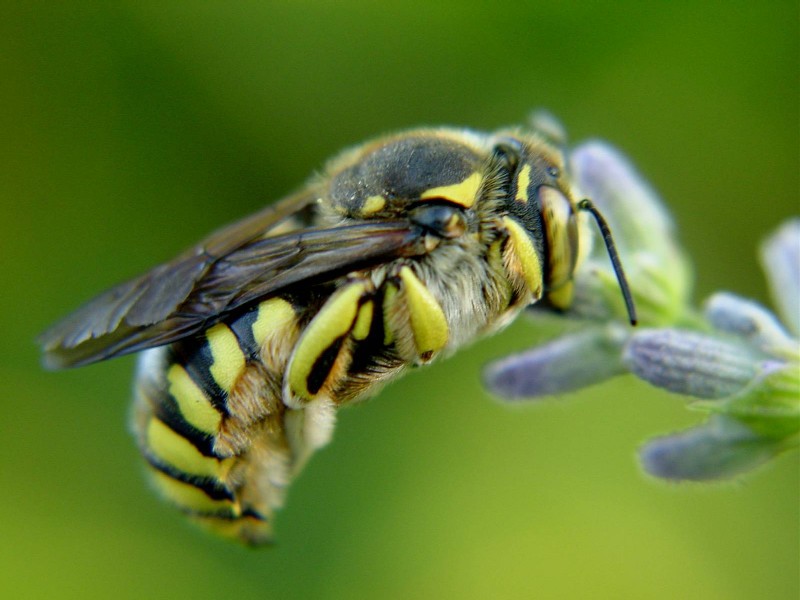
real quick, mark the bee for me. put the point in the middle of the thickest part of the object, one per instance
(404, 249)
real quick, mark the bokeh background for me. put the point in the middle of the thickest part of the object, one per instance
(128, 130)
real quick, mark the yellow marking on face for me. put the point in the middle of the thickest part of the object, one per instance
(274, 315)
(334, 320)
(523, 181)
(191, 498)
(556, 212)
(525, 252)
(428, 322)
(464, 193)
(175, 450)
(373, 204)
(389, 295)
(229, 360)
(363, 321)
(192, 402)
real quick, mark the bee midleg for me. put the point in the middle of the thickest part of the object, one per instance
(322, 354)
(320, 365)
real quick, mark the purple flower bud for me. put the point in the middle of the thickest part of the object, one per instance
(720, 448)
(655, 265)
(690, 363)
(638, 218)
(563, 365)
(780, 256)
(746, 319)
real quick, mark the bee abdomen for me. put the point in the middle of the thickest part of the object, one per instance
(226, 419)
(183, 406)
(210, 420)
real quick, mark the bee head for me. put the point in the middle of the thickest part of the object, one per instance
(538, 196)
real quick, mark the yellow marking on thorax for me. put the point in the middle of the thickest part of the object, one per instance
(464, 193)
(363, 321)
(372, 205)
(523, 181)
(192, 402)
(526, 255)
(274, 315)
(174, 450)
(428, 322)
(191, 498)
(229, 360)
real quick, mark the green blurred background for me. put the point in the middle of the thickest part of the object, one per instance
(128, 130)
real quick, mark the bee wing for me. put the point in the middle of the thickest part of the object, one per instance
(231, 269)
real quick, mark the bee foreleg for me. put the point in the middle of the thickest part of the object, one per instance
(413, 318)
(522, 262)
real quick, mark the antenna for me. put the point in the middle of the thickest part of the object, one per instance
(587, 205)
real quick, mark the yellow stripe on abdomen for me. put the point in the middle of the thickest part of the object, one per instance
(274, 315)
(191, 498)
(175, 451)
(229, 360)
(192, 402)
(248, 529)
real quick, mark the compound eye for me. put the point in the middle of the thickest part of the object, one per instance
(440, 218)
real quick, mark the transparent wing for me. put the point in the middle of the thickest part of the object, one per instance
(228, 271)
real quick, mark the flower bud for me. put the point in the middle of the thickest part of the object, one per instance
(686, 362)
(656, 268)
(748, 320)
(568, 363)
(780, 257)
(722, 447)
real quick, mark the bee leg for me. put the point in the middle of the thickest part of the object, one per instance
(308, 429)
(259, 480)
(413, 318)
(257, 393)
(522, 263)
(323, 353)
(319, 365)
